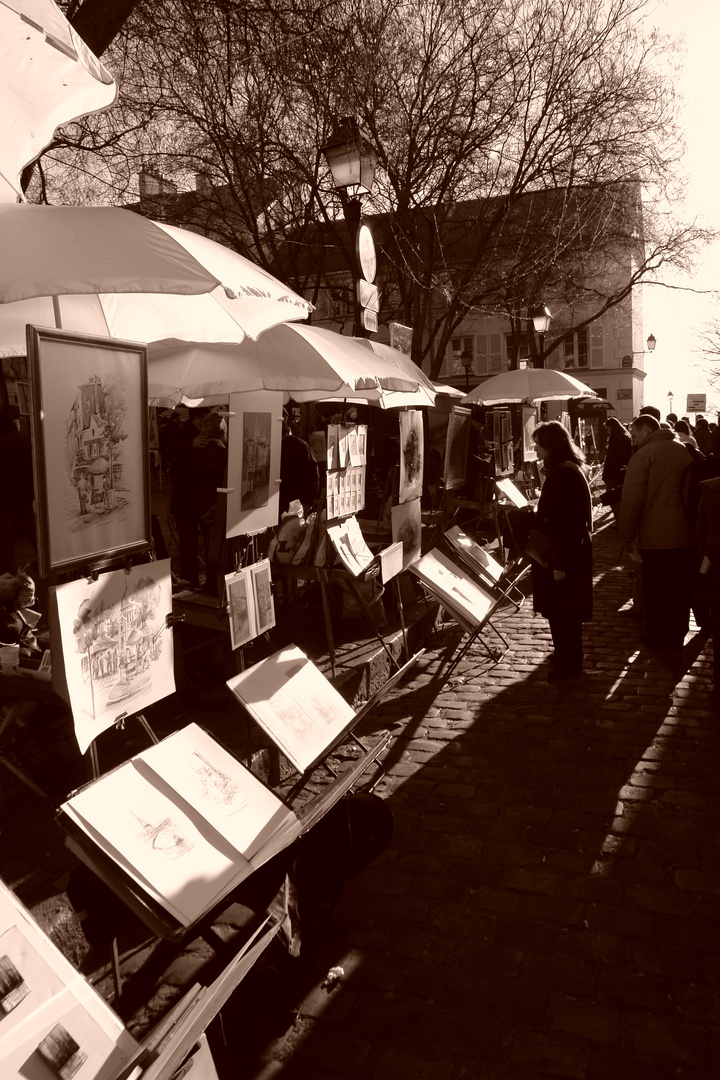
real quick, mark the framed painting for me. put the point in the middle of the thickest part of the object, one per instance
(411, 455)
(89, 425)
(241, 607)
(456, 447)
(264, 604)
(254, 441)
(503, 442)
(529, 423)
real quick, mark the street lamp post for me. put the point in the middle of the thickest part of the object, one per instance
(670, 401)
(352, 161)
(541, 316)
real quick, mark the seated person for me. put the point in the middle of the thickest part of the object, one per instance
(15, 626)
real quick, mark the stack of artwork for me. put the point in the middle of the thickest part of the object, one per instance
(52, 1022)
(251, 608)
(346, 466)
(295, 705)
(116, 646)
(184, 820)
(350, 545)
(468, 603)
(254, 443)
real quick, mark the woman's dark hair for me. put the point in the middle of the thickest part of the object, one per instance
(554, 437)
(682, 427)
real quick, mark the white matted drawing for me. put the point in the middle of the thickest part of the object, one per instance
(407, 528)
(262, 591)
(295, 704)
(254, 440)
(411, 455)
(89, 422)
(117, 650)
(241, 607)
(57, 994)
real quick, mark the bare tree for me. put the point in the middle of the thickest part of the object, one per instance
(523, 146)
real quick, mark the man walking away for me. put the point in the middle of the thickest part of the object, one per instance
(653, 523)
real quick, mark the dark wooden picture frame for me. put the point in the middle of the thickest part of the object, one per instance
(89, 426)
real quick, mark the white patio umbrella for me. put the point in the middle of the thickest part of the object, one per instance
(102, 270)
(307, 362)
(48, 77)
(527, 384)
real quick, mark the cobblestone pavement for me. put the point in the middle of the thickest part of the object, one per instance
(550, 903)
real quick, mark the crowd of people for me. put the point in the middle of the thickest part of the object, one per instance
(662, 479)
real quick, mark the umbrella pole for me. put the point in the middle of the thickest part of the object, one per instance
(56, 312)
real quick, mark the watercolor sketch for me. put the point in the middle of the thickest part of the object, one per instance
(91, 460)
(117, 650)
(411, 455)
(257, 431)
(264, 604)
(241, 607)
(407, 528)
(254, 441)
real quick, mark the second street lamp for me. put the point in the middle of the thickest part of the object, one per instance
(352, 161)
(541, 316)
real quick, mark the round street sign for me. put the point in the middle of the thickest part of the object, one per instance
(366, 253)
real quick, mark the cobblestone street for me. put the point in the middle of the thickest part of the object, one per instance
(549, 905)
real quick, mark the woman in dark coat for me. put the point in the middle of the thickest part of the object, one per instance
(562, 590)
(618, 452)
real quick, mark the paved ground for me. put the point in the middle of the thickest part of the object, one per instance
(550, 903)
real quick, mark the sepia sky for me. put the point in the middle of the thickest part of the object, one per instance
(676, 318)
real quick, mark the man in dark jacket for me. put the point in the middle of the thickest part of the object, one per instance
(654, 525)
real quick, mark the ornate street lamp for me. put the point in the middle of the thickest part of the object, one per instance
(352, 161)
(541, 316)
(670, 399)
(651, 343)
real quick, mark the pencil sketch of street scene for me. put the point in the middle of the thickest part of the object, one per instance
(95, 430)
(117, 650)
(257, 428)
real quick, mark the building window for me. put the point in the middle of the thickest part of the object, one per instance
(457, 348)
(575, 348)
(490, 357)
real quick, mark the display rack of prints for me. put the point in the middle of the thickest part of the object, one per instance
(346, 470)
